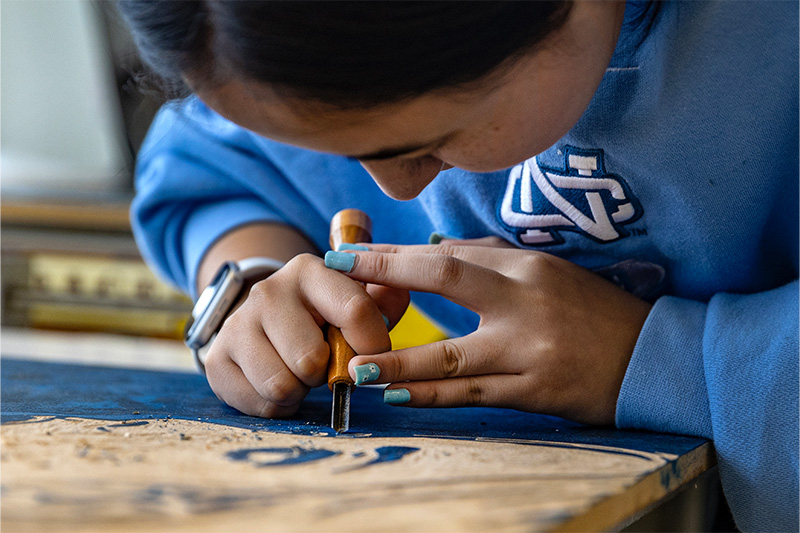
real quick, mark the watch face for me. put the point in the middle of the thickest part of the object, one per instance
(213, 305)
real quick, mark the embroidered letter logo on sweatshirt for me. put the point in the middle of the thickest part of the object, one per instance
(540, 201)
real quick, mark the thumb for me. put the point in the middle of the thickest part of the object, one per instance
(392, 302)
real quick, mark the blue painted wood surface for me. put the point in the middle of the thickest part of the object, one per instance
(41, 389)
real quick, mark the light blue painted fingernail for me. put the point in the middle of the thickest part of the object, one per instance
(347, 246)
(395, 396)
(436, 238)
(367, 373)
(340, 260)
(386, 321)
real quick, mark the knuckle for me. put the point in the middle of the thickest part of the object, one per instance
(532, 260)
(538, 263)
(302, 263)
(312, 363)
(398, 368)
(269, 410)
(279, 390)
(433, 397)
(452, 359)
(260, 293)
(261, 286)
(303, 260)
(473, 392)
(359, 307)
(446, 270)
(381, 263)
(212, 363)
(496, 241)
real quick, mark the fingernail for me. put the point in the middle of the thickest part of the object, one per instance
(347, 246)
(436, 238)
(386, 321)
(367, 373)
(395, 396)
(340, 260)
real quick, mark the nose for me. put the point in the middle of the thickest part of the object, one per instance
(404, 179)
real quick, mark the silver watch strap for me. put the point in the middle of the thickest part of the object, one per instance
(254, 266)
(250, 268)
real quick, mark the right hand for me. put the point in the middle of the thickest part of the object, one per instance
(271, 350)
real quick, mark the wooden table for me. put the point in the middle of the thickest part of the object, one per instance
(103, 433)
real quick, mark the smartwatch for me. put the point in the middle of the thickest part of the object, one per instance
(217, 299)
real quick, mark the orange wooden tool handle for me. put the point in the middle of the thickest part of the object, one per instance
(341, 353)
(350, 226)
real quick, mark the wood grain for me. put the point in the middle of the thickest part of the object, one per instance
(98, 448)
(183, 475)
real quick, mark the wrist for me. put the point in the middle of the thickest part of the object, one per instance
(220, 297)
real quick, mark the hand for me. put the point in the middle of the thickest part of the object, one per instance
(553, 337)
(271, 350)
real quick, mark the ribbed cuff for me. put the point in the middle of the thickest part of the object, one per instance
(665, 387)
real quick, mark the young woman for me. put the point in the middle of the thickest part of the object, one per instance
(617, 182)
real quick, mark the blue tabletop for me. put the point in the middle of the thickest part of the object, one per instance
(58, 390)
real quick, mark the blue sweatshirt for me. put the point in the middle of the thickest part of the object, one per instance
(679, 182)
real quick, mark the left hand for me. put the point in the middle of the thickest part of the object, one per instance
(553, 337)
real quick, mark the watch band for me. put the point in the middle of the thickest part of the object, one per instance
(217, 299)
(252, 266)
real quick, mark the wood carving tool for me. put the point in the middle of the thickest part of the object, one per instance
(347, 226)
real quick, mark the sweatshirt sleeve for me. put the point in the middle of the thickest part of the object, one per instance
(727, 371)
(192, 179)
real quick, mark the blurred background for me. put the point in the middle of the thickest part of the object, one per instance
(71, 121)
(72, 117)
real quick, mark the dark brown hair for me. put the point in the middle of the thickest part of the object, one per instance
(346, 54)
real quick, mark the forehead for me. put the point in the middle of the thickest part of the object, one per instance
(322, 127)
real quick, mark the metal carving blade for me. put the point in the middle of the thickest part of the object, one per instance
(340, 409)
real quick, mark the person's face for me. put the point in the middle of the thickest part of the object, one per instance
(497, 125)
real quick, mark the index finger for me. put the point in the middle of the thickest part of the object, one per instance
(464, 283)
(504, 259)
